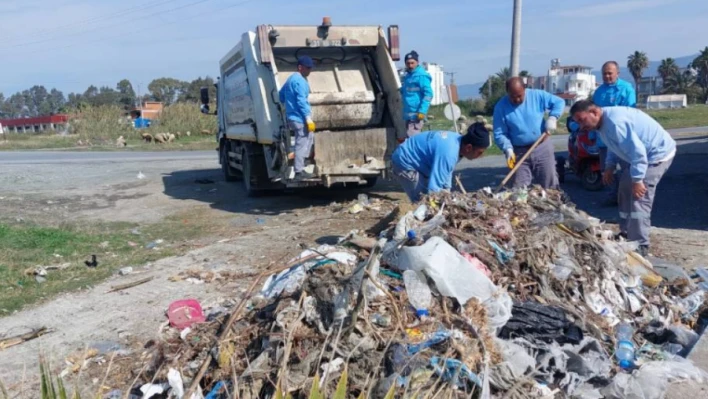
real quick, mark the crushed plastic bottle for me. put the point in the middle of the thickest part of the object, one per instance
(426, 228)
(625, 347)
(418, 291)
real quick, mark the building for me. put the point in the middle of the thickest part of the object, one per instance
(437, 83)
(570, 82)
(37, 124)
(648, 86)
(149, 110)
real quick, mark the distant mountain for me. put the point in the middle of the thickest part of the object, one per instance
(469, 91)
(682, 62)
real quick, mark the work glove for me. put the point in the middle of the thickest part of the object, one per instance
(420, 116)
(310, 125)
(510, 158)
(551, 124)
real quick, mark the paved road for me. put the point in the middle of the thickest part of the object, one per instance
(55, 157)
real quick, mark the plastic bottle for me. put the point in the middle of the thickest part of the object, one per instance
(418, 291)
(426, 228)
(625, 346)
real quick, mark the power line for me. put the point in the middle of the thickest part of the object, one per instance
(91, 20)
(110, 26)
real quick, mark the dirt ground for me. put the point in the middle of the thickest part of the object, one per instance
(257, 232)
(146, 188)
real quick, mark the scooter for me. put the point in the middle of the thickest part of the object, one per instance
(583, 159)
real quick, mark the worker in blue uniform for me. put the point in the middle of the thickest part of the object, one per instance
(425, 162)
(645, 150)
(613, 92)
(298, 113)
(518, 123)
(417, 93)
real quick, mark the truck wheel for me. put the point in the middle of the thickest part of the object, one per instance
(370, 182)
(230, 174)
(592, 181)
(250, 178)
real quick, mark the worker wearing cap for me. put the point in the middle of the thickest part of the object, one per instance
(417, 93)
(518, 123)
(613, 92)
(298, 113)
(645, 150)
(424, 163)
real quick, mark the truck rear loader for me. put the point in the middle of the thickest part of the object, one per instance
(354, 95)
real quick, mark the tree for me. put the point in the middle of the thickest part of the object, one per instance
(192, 91)
(127, 94)
(667, 68)
(681, 83)
(504, 74)
(637, 63)
(57, 102)
(167, 90)
(700, 64)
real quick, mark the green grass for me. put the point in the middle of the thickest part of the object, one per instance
(28, 246)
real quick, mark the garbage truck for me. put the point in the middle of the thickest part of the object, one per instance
(354, 95)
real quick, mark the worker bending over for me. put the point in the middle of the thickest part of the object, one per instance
(424, 163)
(645, 150)
(293, 95)
(417, 93)
(613, 92)
(518, 123)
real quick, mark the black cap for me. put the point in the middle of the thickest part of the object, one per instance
(477, 135)
(412, 55)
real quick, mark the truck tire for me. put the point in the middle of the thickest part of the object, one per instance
(255, 175)
(370, 182)
(230, 174)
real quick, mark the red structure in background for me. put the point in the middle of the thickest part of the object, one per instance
(36, 124)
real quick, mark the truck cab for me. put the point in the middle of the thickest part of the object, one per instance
(354, 96)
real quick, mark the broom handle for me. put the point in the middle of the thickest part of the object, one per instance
(521, 161)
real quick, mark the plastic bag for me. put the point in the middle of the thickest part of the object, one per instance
(502, 229)
(453, 275)
(498, 310)
(517, 362)
(652, 380)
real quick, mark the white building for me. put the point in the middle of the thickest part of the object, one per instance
(438, 83)
(571, 83)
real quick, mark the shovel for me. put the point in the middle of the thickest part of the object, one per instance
(521, 161)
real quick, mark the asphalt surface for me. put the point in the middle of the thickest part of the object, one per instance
(679, 203)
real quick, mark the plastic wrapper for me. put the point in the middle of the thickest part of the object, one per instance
(453, 275)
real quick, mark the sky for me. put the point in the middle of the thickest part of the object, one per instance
(71, 44)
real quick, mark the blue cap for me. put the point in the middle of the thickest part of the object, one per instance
(422, 312)
(411, 235)
(306, 61)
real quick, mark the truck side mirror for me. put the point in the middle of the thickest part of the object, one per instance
(204, 94)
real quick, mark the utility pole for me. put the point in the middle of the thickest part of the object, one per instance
(515, 39)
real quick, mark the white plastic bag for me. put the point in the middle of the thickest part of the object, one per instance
(453, 275)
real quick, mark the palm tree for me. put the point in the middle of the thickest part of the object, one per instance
(637, 63)
(667, 68)
(679, 82)
(700, 64)
(504, 74)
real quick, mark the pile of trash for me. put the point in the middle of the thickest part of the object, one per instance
(516, 295)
